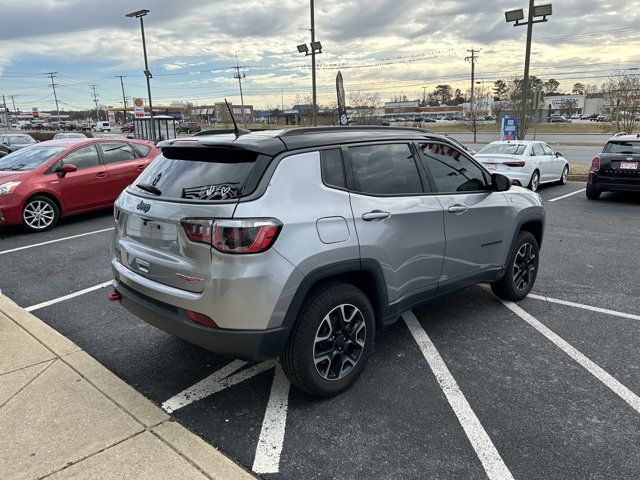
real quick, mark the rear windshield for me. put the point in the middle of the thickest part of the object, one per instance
(203, 173)
(20, 139)
(29, 158)
(504, 149)
(629, 148)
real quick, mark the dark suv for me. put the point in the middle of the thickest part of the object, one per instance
(188, 127)
(303, 243)
(617, 168)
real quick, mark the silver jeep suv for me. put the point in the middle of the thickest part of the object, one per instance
(303, 243)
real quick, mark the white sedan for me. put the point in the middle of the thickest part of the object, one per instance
(526, 163)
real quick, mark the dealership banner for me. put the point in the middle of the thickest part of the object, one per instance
(112, 116)
(138, 107)
(342, 110)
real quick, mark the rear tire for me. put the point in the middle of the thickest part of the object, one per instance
(534, 183)
(40, 214)
(592, 192)
(331, 340)
(522, 269)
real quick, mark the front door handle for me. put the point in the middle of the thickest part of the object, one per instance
(141, 167)
(101, 174)
(458, 209)
(375, 215)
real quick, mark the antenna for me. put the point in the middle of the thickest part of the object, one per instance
(237, 131)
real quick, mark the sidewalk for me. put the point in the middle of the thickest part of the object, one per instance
(63, 415)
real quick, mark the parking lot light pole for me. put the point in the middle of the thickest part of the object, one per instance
(517, 16)
(139, 14)
(316, 48)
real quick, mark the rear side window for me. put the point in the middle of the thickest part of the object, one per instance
(332, 171)
(84, 157)
(113, 152)
(625, 148)
(385, 170)
(205, 173)
(143, 150)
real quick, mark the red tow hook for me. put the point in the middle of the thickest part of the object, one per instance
(114, 297)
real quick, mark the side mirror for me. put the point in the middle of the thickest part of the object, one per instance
(67, 168)
(500, 183)
(558, 154)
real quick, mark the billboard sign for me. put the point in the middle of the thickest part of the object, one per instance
(509, 128)
(138, 107)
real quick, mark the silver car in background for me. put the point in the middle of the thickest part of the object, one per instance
(303, 243)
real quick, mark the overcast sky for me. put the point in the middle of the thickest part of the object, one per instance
(392, 47)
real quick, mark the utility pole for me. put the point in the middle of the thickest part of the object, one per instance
(313, 64)
(240, 77)
(95, 99)
(13, 101)
(525, 83)
(124, 99)
(6, 115)
(282, 99)
(52, 75)
(472, 58)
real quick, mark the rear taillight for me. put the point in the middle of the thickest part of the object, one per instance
(235, 236)
(514, 164)
(595, 163)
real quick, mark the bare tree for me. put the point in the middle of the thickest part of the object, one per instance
(478, 109)
(365, 106)
(622, 100)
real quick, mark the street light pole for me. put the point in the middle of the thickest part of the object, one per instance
(525, 84)
(139, 14)
(313, 63)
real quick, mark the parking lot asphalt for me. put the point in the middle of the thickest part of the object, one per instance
(469, 387)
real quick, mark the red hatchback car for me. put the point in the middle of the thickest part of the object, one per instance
(41, 183)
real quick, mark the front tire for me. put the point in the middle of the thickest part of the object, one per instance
(522, 269)
(331, 341)
(592, 192)
(534, 183)
(40, 214)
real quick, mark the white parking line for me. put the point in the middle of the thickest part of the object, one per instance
(616, 387)
(491, 460)
(55, 241)
(567, 195)
(584, 307)
(67, 297)
(267, 459)
(216, 382)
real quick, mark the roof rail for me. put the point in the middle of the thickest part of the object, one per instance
(307, 130)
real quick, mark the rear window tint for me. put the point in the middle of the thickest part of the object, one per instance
(205, 173)
(629, 148)
(332, 171)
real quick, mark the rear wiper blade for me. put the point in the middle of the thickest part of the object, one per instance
(149, 188)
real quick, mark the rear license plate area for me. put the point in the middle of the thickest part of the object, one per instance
(628, 165)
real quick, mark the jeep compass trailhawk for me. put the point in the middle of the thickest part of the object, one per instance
(303, 243)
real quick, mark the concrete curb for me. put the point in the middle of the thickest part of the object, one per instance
(207, 459)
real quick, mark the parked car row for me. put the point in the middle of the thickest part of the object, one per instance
(46, 181)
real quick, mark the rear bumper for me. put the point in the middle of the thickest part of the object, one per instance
(617, 184)
(249, 345)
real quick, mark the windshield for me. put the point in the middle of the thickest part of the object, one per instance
(20, 139)
(504, 149)
(629, 148)
(29, 158)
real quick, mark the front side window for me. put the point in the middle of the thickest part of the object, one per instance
(385, 170)
(113, 152)
(547, 149)
(85, 157)
(451, 170)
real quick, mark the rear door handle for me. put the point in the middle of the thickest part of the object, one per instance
(375, 215)
(101, 174)
(141, 167)
(457, 209)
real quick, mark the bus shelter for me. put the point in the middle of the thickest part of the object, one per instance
(163, 128)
